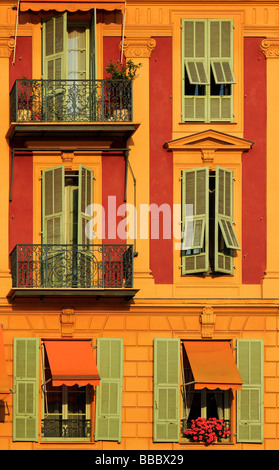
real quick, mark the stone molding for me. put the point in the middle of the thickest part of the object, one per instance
(138, 47)
(6, 47)
(270, 48)
(207, 320)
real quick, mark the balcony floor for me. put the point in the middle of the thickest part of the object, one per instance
(93, 293)
(20, 132)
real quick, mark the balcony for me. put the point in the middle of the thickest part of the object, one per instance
(67, 106)
(72, 270)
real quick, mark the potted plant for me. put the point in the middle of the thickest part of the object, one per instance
(117, 71)
(207, 430)
(118, 91)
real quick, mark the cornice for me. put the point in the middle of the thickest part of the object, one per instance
(270, 48)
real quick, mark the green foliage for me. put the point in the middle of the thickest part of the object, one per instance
(117, 71)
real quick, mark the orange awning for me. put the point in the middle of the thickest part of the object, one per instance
(72, 362)
(4, 380)
(213, 365)
(63, 5)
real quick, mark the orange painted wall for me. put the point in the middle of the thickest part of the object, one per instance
(138, 327)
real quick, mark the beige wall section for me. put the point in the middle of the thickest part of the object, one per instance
(138, 330)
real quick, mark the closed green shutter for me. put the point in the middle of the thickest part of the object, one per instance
(166, 425)
(225, 237)
(250, 400)
(108, 422)
(195, 200)
(85, 198)
(26, 388)
(53, 205)
(194, 69)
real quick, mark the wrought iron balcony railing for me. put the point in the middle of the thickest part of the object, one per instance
(66, 428)
(72, 266)
(71, 101)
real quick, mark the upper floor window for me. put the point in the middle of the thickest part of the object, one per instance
(207, 70)
(69, 48)
(65, 197)
(209, 239)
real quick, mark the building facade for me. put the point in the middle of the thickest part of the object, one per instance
(139, 265)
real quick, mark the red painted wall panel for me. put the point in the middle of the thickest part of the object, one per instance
(254, 164)
(161, 164)
(22, 67)
(21, 207)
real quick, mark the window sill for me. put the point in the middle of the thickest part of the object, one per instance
(187, 442)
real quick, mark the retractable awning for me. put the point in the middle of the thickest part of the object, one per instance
(72, 362)
(4, 380)
(213, 365)
(63, 5)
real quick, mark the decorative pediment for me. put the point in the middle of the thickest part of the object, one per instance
(209, 140)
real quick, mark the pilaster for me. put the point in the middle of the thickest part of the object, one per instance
(139, 50)
(6, 47)
(270, 48)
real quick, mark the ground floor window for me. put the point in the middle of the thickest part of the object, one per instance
(66, 410)
(204, 408)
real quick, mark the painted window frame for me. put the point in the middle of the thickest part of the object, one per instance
(195, 255)
(28, 380)
(204, 105)
(65, 390)
(91, 45)
(168, 360)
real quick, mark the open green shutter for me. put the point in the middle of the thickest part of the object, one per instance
(195, 200)
(166, 425)
(93, 46)
(225, 237)
(26, 387)
(53, 206)
(250, 400)
(108, 422)
(195, 68)
(85, 198)
(54, 47)
(221, 63)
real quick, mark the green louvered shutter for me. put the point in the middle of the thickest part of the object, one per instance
(195, 69)
(54, 66)
(54, 47)
(93, 46)
(26, 388)
(53, 205)
(84, 260)
(250, 400)
(85, 198)
(225, 237)
(166, 425)
(108, 422)
(53, 227)
(195, 200)
(221, 62)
